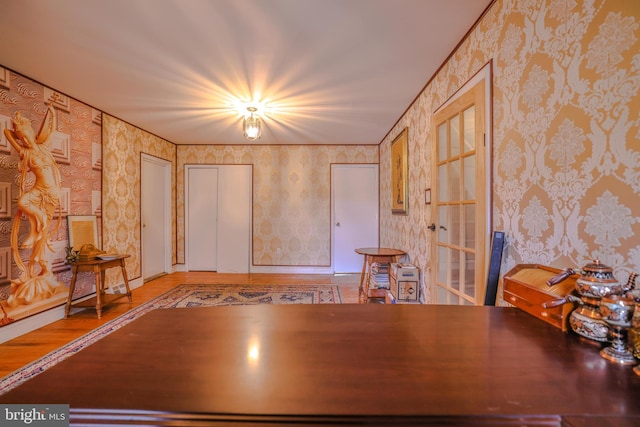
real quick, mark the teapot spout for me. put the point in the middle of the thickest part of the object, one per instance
(631, 283)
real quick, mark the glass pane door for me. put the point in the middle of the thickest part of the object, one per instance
(459, 201)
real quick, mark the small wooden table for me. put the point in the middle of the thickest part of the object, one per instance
(384, 255)
(98, 266)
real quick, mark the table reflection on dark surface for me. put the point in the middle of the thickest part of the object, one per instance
(349, 363)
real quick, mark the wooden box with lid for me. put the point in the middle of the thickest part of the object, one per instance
(525, 286)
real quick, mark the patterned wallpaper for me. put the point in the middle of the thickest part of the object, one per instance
(123, 145)
(566, 134)
(566, 131)
(291, 197)
(74, 148)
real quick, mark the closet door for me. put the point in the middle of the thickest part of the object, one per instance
(202, 218)
(234, 218)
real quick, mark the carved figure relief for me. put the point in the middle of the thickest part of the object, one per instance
(38, 203)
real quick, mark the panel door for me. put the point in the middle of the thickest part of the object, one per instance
(202, 218)
(355, 214)
(155, 216)
(234, 218)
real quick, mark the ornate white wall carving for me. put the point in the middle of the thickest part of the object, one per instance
(58, 256)
(61, 147)
(96, 156)
(5, 265)
(5, 123)
(5, 200)
(96, 116)
(65, 201)
(96, 203)
(5, 78)
(60, 100)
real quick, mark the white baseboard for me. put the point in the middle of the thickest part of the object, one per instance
(291, 270)
(275, 269)
(31, 323)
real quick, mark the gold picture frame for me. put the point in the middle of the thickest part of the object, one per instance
(399, 173)
(83, 229)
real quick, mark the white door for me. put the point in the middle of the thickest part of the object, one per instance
(155, 195)
(234, 218)
(355, 204)
(202, 218)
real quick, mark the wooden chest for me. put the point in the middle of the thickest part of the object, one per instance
(525, 286)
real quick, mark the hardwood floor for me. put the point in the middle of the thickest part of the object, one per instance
(22, 350)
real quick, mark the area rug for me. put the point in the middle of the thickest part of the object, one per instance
(182, 296)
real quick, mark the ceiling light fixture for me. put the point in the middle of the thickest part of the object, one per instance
(251, 125)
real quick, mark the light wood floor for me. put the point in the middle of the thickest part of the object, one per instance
(20, 351)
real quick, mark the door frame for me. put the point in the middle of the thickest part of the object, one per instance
(376, 168)
(166, 165)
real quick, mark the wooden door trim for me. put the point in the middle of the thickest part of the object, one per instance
(475, 95)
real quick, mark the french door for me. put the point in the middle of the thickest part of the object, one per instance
(459, 201)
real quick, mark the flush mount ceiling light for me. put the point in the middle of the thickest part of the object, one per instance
(251, 125)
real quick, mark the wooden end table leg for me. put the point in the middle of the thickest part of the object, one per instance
(72, 287)
(369, 259)
(126, 280)
(362, 279)
(99, 291)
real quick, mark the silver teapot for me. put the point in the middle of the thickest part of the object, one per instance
(596, 281)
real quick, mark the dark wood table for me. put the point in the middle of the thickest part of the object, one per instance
(330, 364)
(371, 255)
(98, 267)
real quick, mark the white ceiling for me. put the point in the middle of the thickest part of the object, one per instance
(329, 71)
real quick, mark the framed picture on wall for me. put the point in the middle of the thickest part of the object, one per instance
(83, 229)
(399, 173)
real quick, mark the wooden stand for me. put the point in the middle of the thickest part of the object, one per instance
(98, 266)
(371, 255)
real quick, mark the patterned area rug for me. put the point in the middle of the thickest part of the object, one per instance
(183, 296)
(205, 295)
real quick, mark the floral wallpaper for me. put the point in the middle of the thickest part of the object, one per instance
(123, 145)
(566, 134)
(291, 197)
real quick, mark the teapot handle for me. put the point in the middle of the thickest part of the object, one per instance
(558, 302)
(560, 277)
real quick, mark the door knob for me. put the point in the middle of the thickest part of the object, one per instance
(432, 227)
(337, 224)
